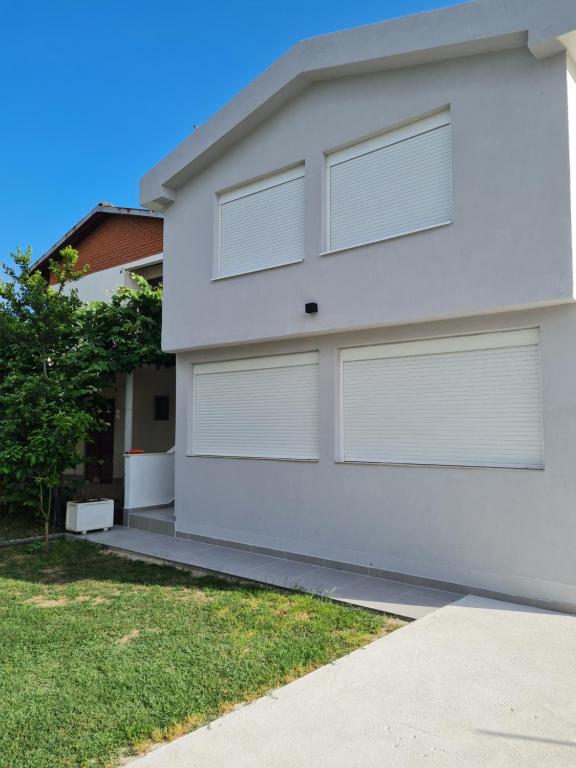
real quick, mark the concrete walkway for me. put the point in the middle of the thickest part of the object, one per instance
(477, 684)
(384, 595)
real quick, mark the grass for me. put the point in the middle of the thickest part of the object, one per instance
(102, 656)
(21, 525)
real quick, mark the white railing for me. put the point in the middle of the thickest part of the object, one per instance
(148, 479)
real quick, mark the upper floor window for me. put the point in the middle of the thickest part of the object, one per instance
(391, 185)
(261, 225)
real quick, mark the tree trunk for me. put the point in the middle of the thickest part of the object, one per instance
(57, 521)
(46, 514)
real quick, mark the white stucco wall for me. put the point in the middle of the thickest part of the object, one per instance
(510, 243)
(99, 286)
(512, 531)
(510, 247)
(149, 480)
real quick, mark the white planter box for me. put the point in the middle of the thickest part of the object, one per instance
(84, 516)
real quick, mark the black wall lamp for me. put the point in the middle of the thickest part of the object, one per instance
(311, 308)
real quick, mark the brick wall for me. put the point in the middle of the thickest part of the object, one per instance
(119, 239)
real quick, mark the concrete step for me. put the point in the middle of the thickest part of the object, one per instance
(161, 520)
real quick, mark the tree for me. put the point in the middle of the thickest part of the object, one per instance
(42, 418)
(56, 356)
(123, 334)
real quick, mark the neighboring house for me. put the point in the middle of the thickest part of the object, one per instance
(415, 179)
(117, 243)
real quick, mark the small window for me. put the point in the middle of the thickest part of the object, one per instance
(261, 225)
(161, 408)
(392, 185)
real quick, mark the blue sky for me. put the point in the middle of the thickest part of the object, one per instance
(94, 93)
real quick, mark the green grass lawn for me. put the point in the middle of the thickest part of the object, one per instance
(19, 526)
(101, 656)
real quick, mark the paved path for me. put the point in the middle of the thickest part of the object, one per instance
(395, 597)
(477, 684)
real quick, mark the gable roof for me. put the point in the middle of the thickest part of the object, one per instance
(87, 224)
(545, 27)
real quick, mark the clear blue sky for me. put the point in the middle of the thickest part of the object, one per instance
(93, 93)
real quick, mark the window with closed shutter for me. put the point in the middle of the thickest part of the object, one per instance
(262, 224)
(466, 401)
(263, 407)
(392, 185)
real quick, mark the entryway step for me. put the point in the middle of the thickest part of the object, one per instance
(161, 520)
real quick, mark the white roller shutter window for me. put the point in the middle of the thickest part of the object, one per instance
(262, 224)
(393, 185)
(468, 401)
(262, 408)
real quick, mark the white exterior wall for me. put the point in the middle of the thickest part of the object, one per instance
(99, 286)
(508, 530)
(571, 84)
(510, 243)
(504, 263)
(149, 480)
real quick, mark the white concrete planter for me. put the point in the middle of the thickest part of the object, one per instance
(84, 516)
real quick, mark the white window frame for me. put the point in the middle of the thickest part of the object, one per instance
(366, 146)
(281, 360)
(426, 346)
(258, 363)
(244, 190)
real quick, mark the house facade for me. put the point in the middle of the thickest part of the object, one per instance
(369, 287)
(116, 243)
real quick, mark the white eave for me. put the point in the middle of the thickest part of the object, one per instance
(545, 27)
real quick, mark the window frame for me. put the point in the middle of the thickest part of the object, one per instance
(362, 147)
(270, 181)
(425, 346)
(255, 363)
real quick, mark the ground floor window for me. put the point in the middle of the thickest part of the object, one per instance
(265, 407)
(465, 401)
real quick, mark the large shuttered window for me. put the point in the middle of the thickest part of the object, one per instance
(262, 224)
(392, 185)
(466, 401)
(263, 407)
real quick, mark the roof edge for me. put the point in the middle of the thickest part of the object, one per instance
(100, 208)
(480, 26)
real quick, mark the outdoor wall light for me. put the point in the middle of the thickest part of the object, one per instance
(311, 308)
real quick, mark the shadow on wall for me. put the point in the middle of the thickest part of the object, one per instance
(523, 737)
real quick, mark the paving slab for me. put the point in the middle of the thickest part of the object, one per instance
(399, 598)
(476, 684)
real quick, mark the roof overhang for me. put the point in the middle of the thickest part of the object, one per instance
(545, 27)
(89, 223)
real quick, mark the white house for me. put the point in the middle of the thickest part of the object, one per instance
(369, 287)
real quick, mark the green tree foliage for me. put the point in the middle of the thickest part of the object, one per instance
(123, 334)
(57, 354)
